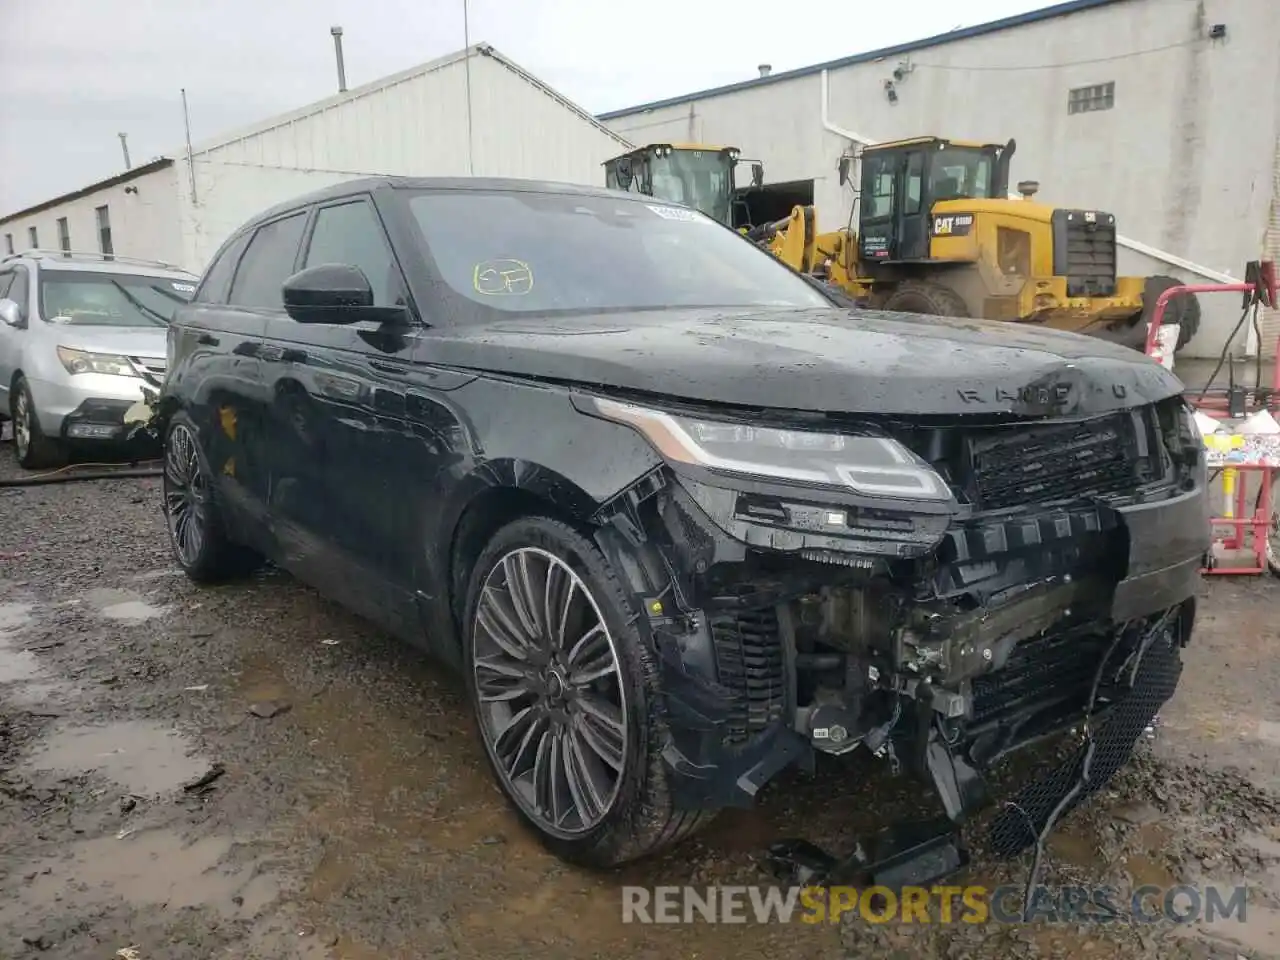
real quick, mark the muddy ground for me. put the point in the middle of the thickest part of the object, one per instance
(250, 772)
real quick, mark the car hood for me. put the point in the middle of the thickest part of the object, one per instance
(829, 360)
(128, 341)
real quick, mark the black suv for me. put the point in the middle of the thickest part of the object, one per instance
(681, 518)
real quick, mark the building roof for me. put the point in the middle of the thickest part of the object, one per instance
(404, 76)
(965, 33)
(133, 173)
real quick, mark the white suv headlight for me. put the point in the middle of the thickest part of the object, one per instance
(875, 466)
(82, 361)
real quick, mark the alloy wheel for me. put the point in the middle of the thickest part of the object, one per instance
(550, 693)
(21, 425)
(186, 495)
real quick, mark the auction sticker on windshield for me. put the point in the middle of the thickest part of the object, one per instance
(678, 213)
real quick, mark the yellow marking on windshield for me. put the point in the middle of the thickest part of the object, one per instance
(506, 277)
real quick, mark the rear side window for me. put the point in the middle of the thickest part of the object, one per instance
(5, 280)
(267, 263)
(217, 279)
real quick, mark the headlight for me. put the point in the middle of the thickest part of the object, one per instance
(876, 466)
(81, 361)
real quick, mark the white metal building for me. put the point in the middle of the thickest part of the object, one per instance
(420, 122)
(1163, 112)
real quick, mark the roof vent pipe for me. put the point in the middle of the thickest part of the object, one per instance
(337, 52)
(765, 69)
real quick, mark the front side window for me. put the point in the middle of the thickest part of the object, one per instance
(267, 264)
(97, 299)
(518, 252)
(351, 233)
(962, 172)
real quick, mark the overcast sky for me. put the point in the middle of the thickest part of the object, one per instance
(74, 73)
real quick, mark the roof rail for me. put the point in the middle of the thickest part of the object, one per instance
(88, 255)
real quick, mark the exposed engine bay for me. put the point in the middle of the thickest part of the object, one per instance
(1057, 594)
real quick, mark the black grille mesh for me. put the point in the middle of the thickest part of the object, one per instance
(1016, 827)
(1059, 664)
(749, 655)
(1056, 462)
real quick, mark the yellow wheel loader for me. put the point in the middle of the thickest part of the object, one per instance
(696, 175)
(937, 233)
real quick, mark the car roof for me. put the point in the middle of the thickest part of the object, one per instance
(478, 184)
(96, 263)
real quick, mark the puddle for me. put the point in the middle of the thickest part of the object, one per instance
(146, 869)
(144, 758)
(121, 605)
(15, 664)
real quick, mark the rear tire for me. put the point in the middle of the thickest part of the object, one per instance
(31, 448)
(1273, 538)
(1183, 309)
(197, 533)
(572, 729)
(926, 297)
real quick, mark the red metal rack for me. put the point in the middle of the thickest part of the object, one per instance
(1257, 531)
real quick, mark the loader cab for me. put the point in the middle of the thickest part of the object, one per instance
(902, 181)
(695, 175)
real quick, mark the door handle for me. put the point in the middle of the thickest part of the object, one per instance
(208, 340)
(394, 369)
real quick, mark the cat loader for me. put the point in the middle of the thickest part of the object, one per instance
(696, 175)
(937, 233)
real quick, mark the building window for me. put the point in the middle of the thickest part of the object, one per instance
(104, 232)
(64, 235)
(1100, 96)
(8, 243)
(33, 238)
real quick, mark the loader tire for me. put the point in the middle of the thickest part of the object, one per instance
(1183, 310)
(927, 297)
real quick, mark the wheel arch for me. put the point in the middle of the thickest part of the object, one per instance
(497, 494)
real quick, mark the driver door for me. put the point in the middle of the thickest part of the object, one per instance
(13, 286)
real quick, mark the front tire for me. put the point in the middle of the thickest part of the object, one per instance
(197, 534)
(926, 297)
(31, 448)
(565, 693)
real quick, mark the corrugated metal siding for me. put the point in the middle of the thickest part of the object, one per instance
(1270, 320)
(1193, 157)
(413, 125)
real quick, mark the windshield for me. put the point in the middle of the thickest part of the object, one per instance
(697, 178)
(111, 299)
(538, 252)
(962, 172)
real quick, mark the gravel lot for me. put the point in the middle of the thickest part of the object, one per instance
(344, 811)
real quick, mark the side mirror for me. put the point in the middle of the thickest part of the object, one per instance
(10, 313)
(757, 174)
(335, 293)
(845, 163)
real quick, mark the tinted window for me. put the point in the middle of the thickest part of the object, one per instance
(96, 299)
(267, 263)
(5, 280)
(532, 252)
(351, 233)
(217, 279)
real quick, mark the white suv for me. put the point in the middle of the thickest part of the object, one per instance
(79, 336)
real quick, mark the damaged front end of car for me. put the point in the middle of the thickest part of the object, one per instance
(937, 591)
